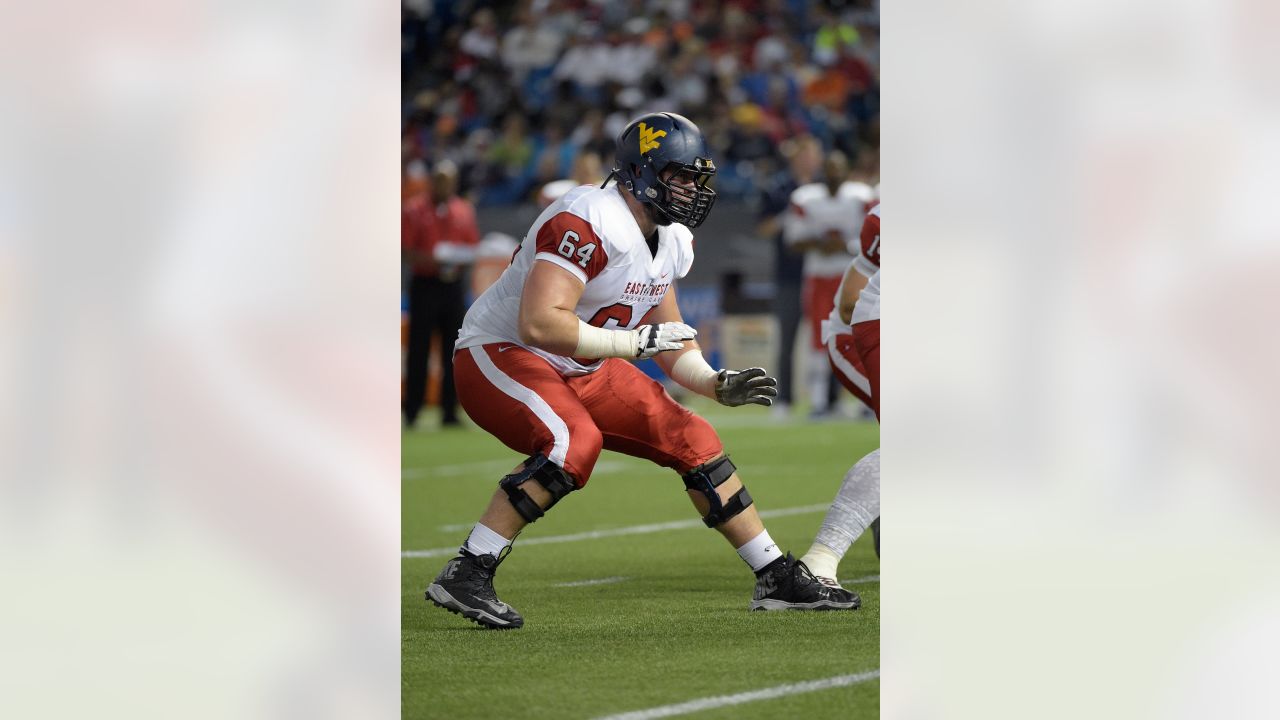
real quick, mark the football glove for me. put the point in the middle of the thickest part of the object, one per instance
(659, 337)
(753, 385)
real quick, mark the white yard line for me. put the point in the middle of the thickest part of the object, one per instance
(720, 701)
(616, 532)
(585, 583)
(496, 468)
(456, 528)
(859, 581)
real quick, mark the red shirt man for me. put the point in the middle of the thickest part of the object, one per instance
(438, 235)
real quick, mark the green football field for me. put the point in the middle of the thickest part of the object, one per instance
(622, 617)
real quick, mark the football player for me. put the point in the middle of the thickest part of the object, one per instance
(823, 221)
(837, 330)
(854, 346)
(542, 364)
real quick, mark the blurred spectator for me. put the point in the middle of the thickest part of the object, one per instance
(591, 136)
(586, 171)
(481, 40)
(530, 50)
(512, 92)
(511, 158)
(833, 37)
(439, 236)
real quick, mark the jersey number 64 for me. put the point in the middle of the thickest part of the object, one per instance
(569, 247)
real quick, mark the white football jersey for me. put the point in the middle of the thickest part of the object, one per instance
(868, 260)
(591, 233)
(867, 263)
(868, 307)
(814, 211)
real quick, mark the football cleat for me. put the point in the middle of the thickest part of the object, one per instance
(787, 584)
(465, 587)
(829, 582)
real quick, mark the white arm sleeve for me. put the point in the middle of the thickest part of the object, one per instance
(594, 342)
(692, 371)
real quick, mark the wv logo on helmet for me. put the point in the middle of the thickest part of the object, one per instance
(649, 138)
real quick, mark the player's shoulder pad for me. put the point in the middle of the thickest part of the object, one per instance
(683, 243)
(604, 209)
(808, 193)
(856, 191)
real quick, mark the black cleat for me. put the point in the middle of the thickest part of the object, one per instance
(787, 584)
(465, 587)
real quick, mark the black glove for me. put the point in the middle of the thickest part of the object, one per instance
(752, 385)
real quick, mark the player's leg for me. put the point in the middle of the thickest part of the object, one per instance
(819, 302)
(866, 340)
(788, 309)
(857, 503)
(518, 398)
(452, 312)
(847, 367)
(418, 350)
(636, 416)
(856, 507)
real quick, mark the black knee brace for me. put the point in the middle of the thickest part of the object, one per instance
(705, 479)
(551, 476)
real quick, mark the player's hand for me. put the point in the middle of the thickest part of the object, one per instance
(753, 385)
(661, 337)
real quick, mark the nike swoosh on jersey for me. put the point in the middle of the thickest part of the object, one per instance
(504, 349)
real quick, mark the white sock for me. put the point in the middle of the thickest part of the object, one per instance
(483, 541)
(821, 561)
(759, 551)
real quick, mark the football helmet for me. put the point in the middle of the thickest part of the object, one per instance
(663, 161)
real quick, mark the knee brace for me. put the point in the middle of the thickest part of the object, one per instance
(705, 479)
(552, 477)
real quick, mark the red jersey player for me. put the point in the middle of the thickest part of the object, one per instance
(541, 363)
(837, 330)
(856, 344)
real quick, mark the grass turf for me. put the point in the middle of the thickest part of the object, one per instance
(675, 628)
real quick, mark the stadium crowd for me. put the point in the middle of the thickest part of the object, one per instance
(514, 93)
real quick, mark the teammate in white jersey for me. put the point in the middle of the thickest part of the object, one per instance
(542, 364)
(837, 330)
(857, 503)
(823, 220)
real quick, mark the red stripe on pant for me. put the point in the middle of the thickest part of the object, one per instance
(866, 338)
(848, 368)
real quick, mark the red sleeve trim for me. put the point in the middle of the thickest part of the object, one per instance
(571, 238)
(870, 239)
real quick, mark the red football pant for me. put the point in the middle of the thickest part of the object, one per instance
(520, 399)
(819, 301)
(866, 338)
(848, 368)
